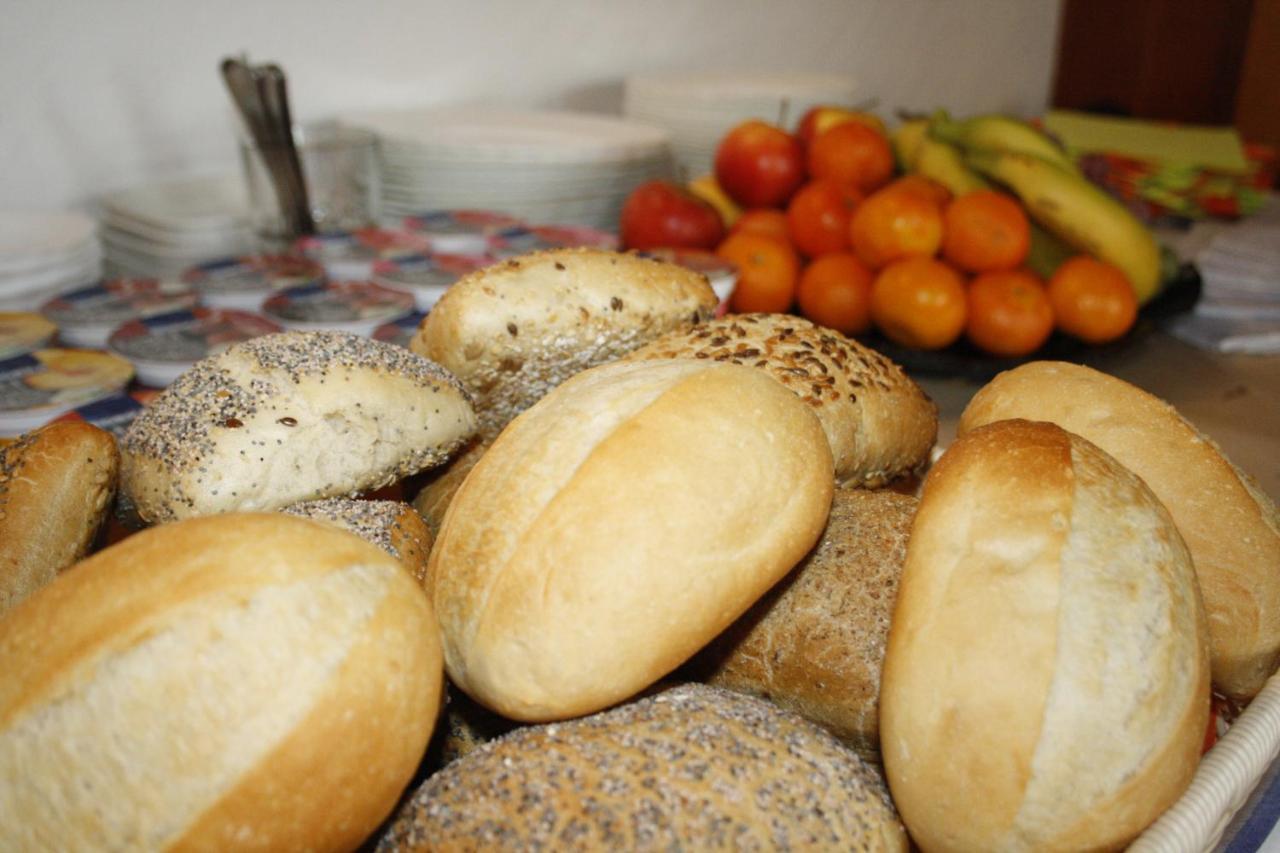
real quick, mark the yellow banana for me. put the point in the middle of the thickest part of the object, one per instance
(945, 164)
(998, 133)
(1079, 213)
(906, 139)
(706, 188)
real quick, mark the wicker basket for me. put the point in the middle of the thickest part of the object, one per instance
(1226, 777)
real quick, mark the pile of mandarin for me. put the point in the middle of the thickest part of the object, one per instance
(823, 224)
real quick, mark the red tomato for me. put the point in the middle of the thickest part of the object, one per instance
(759, 165)
(661, 214)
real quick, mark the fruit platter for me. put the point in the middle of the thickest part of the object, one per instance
(956, 245)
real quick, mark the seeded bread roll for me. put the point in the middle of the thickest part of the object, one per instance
(815, 643)
(436, 495)
(618, 526)
(693, 767)
(287, 418)
(1230, 525)
(1046, 684)
(513, 331)
(391, 525)
(880, 424)
(239, 682)
(56, 485)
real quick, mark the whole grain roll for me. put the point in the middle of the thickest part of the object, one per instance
(393, 526)
(291, 417)
(693, 767)
(1230, 525)
(244, 681)
(880, 424)
(815, 643)
(513, 331)
(618, 526)
(56, 486)
(1046, 684)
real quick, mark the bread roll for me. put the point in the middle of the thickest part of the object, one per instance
(619, 525)
(880, 424)
(513, 331)
(1230, 525)
(693, 767)
(437, 493)
(393, 526)
(56, 485)
(1046, 685)
(247, 682)
(287, 418)
(815, 643)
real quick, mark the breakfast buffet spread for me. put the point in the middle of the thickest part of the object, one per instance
(464, 532)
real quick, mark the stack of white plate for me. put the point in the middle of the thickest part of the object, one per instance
(543, 166)
(699, 108)
(43, 254)
(159, 230)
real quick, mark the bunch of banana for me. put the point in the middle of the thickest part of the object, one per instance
(1072, 214)
(918, 151)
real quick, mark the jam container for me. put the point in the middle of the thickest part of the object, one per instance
(401, 331)
(358, 307)
(22, 332)
(722, 274)
(427, 277)
(114, 413)
(86, 317)
(162, 347)
(37, 387)
(459, 232)
(244, 283)
(350, 255)
(521, 240)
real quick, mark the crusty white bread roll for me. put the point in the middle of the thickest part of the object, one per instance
(437, 493)
(393, 526)
(1046, 685)
(814, 644)
(1230, 525)
(513, 331)
(245, 681)
(291, 417)
(880, 424)
(56, 485)
(693, 767)
(619, 525)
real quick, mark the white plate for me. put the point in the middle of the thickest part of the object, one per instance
(473, 134)
(30, 239)
(198, 204)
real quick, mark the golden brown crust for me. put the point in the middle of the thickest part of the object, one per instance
(1046, 682)
(619, 525)
(513, 331)
(318, 680)
(880, 424)
(1230, 526)
(690, 767)
(437, 493)
(815, 643)
(56, 486)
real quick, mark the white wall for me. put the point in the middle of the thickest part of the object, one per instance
(104, 94)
